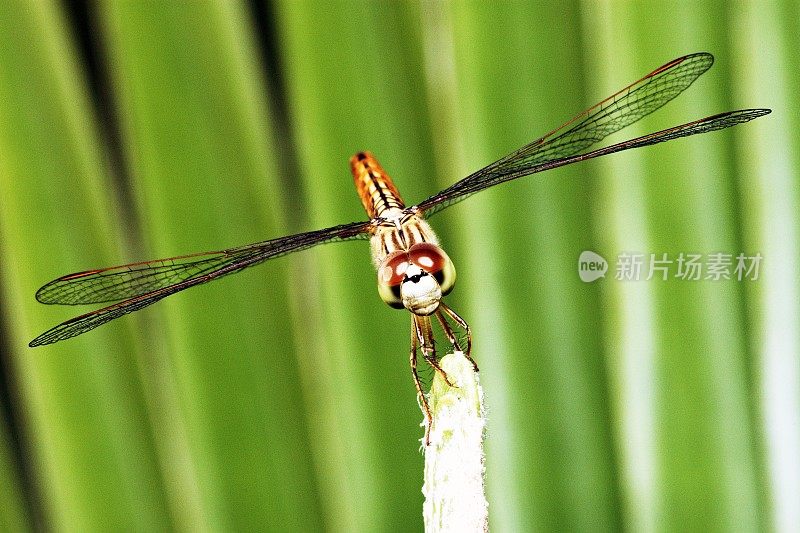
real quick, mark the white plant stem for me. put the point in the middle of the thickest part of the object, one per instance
(454, 489)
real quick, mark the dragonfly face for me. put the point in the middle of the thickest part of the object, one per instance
(413, 271)
(416, 278)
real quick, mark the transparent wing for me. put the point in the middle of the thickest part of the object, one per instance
(141, 284)
(464, 189)
(585, 129)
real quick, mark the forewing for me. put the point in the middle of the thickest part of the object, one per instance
(126, 281)
(585, 129)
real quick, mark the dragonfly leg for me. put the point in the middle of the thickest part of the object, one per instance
(429, 347)
(425, 333)
(448, 331)
(420, 394)
(461, 322)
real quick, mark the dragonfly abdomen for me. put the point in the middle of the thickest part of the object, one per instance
(375, 188)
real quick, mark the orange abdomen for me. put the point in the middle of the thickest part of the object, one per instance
(374, 186)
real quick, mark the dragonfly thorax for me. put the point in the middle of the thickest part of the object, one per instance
(399, 230)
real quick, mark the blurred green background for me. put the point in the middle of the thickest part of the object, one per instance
(280, 399)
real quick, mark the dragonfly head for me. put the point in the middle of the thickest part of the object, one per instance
(416, 278)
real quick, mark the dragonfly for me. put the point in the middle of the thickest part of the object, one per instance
(413, 271)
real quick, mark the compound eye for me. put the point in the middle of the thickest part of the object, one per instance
(390, 276)
(434, 261)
